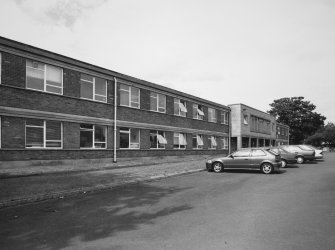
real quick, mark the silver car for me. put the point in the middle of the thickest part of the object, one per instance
(264, 160)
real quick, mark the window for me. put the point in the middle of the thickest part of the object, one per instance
(242, 153)
(180, 107)
(257, 153)
(93, 88)
(198, 112)
(224, 117)
(157, 102)
(197, 141)
(211, 115)
(93, 136)
(129, 138)
(43, 134)
(245, 119)
(157, 139)
(0, 66)
(179, 140)
(44, 77)
(129, 96)
(225, 142)
(212, 142)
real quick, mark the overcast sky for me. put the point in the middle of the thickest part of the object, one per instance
(226, 51)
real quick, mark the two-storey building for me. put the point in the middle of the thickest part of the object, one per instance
(53, 107)
(254, 128)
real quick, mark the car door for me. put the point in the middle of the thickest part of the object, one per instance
(257, 156)
(240, 159)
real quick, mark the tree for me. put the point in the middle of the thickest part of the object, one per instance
(329, 135)
(299, 115)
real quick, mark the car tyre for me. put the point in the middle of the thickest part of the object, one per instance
(217, 167)
(283, 163)
(267, 168)
(300, 159)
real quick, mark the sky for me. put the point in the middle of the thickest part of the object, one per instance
(226, 51)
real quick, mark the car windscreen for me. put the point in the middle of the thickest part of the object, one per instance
(272, 151)
(304, 147)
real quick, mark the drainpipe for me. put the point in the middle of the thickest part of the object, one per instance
(229, 131)
(115, 108)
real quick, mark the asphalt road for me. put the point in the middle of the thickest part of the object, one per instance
(294, 209)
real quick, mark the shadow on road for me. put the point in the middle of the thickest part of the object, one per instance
(60, 224)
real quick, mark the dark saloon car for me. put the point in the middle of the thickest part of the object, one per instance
(256, 158)
(286, 156)
(302, 154)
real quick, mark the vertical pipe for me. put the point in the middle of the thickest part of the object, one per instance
(115, 108)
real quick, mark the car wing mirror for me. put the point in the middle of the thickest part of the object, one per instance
(231, 156)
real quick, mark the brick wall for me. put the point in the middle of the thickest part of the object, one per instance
(13, 70)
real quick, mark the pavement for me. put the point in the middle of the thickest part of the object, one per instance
(23, 185)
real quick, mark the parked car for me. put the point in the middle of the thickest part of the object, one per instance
(256, 158)
(302, 154)
(318, 152)
(286, 156)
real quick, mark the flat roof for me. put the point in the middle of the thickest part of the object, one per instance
(241, 104)
(71, 61)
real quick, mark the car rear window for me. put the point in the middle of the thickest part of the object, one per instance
(257, 152)
(271, 151)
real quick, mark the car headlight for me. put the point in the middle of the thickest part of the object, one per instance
(209, 161)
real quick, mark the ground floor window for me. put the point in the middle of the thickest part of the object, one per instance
(43, 134)
(225, 142)
(93, 136)
(212, 142)
(197, 142)
(157, 139)
(129, 138)
(179, 140)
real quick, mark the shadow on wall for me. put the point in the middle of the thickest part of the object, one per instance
(58, 224)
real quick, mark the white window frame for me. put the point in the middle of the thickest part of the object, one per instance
(225, 143)
(44, 136)
(224, 117)
(93, 136)
(129, 91)
(157, 97)
(181, 107)
(159, 137)
(123, 131)
(200, 115)
(212, 142)
(245, 119)
(200, 141)
(45, 77)
(212, 115)
(182, 140)
(94, 93)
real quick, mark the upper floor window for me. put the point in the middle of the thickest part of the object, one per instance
(93, 136)
(157, 102)
(44, 77)
(224, 117)
(197, 141)
(198, 112)
(93, 88)
(212, 142)
(180, 107)
(0, 66)
(212, 115)
(157, 139)
(179, 140)
(43, 134)
(129, 96)
(245, 119)
(129, 138)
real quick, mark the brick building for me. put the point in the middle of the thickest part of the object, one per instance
(254, 128)
(53, 107)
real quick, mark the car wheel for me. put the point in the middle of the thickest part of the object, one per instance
(267, 168)
(217, 167)
(300, 160)
(283, 163)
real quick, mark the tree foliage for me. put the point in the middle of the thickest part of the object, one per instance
(299, 115)
(324, 136)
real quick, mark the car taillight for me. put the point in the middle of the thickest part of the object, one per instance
(278, 158)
